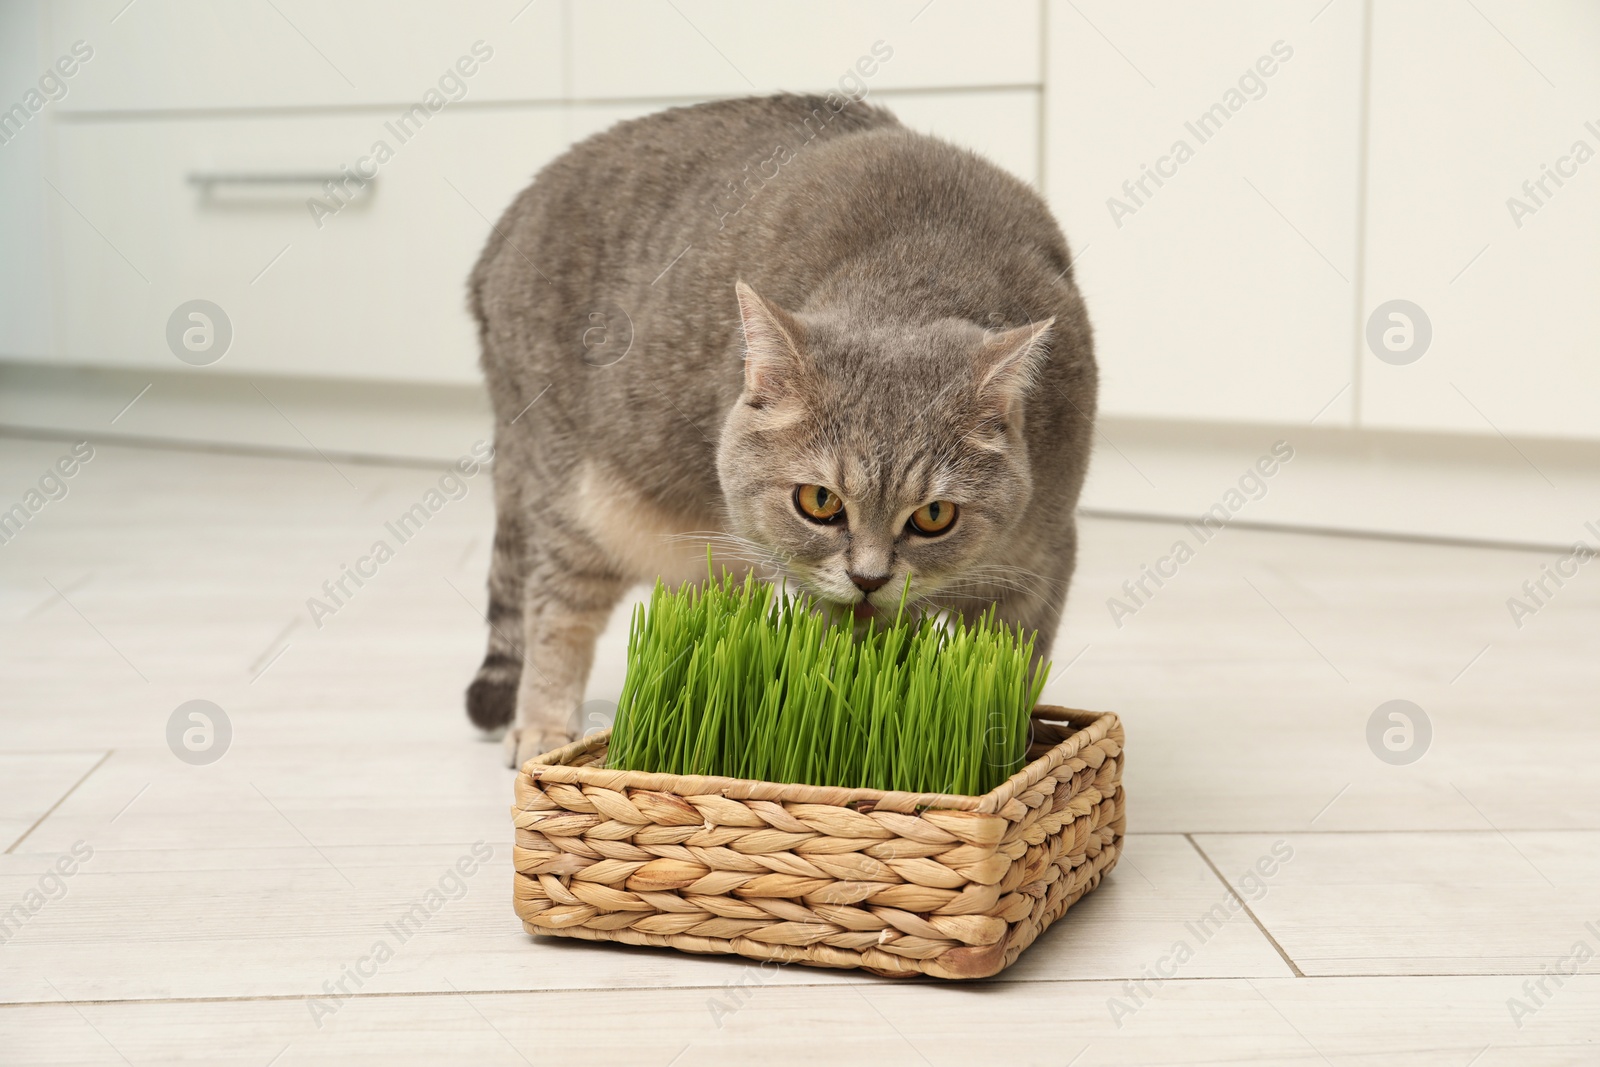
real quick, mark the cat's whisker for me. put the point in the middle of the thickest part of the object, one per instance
(1008, 579)
(714, 537)
(986, 587)
(736, 548)
(1017, 577)
(1009, 569)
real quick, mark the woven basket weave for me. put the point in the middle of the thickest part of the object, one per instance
(895, 883)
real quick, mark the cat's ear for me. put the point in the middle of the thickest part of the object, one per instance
(1008, 363)
(772, 340)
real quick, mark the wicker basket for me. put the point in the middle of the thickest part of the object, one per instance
(895, 883)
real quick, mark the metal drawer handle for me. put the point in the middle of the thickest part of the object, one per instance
(208, 179)
(258, 189)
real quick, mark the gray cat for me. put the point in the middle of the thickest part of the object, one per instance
(837, 350)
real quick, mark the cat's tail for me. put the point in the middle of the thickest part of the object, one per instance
(492, 696)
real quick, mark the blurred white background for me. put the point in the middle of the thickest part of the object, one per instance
(1355, 154)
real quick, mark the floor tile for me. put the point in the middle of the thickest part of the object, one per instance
(1427, 903)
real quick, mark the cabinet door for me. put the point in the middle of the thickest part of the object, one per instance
(1484, 213)
(1203, 159)
(375, 290)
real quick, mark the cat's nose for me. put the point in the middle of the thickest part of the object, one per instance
(869, 583)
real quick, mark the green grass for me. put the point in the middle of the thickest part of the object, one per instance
(742, 680)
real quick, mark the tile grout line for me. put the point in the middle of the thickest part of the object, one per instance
(1293, 966)
(98, 764)
(275, 997)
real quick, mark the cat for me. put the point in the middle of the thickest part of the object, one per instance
(841, 352)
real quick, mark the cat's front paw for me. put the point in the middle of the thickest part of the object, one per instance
(522, 743)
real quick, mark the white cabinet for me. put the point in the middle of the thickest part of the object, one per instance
(1484, 211)
(1207, 177)
(1229, 176)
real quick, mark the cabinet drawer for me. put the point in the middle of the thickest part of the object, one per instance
(376, 290)
(196, 55)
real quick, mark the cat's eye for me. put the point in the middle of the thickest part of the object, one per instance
(931, 520)
(818, 503)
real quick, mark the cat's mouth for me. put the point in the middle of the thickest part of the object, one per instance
(864, 610)
(858, 611)
(861, 607)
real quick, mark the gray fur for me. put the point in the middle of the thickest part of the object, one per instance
(917, 331)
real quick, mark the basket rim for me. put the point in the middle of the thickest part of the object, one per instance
(1088, 727)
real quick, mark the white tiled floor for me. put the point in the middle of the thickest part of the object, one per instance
(1417, 903)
